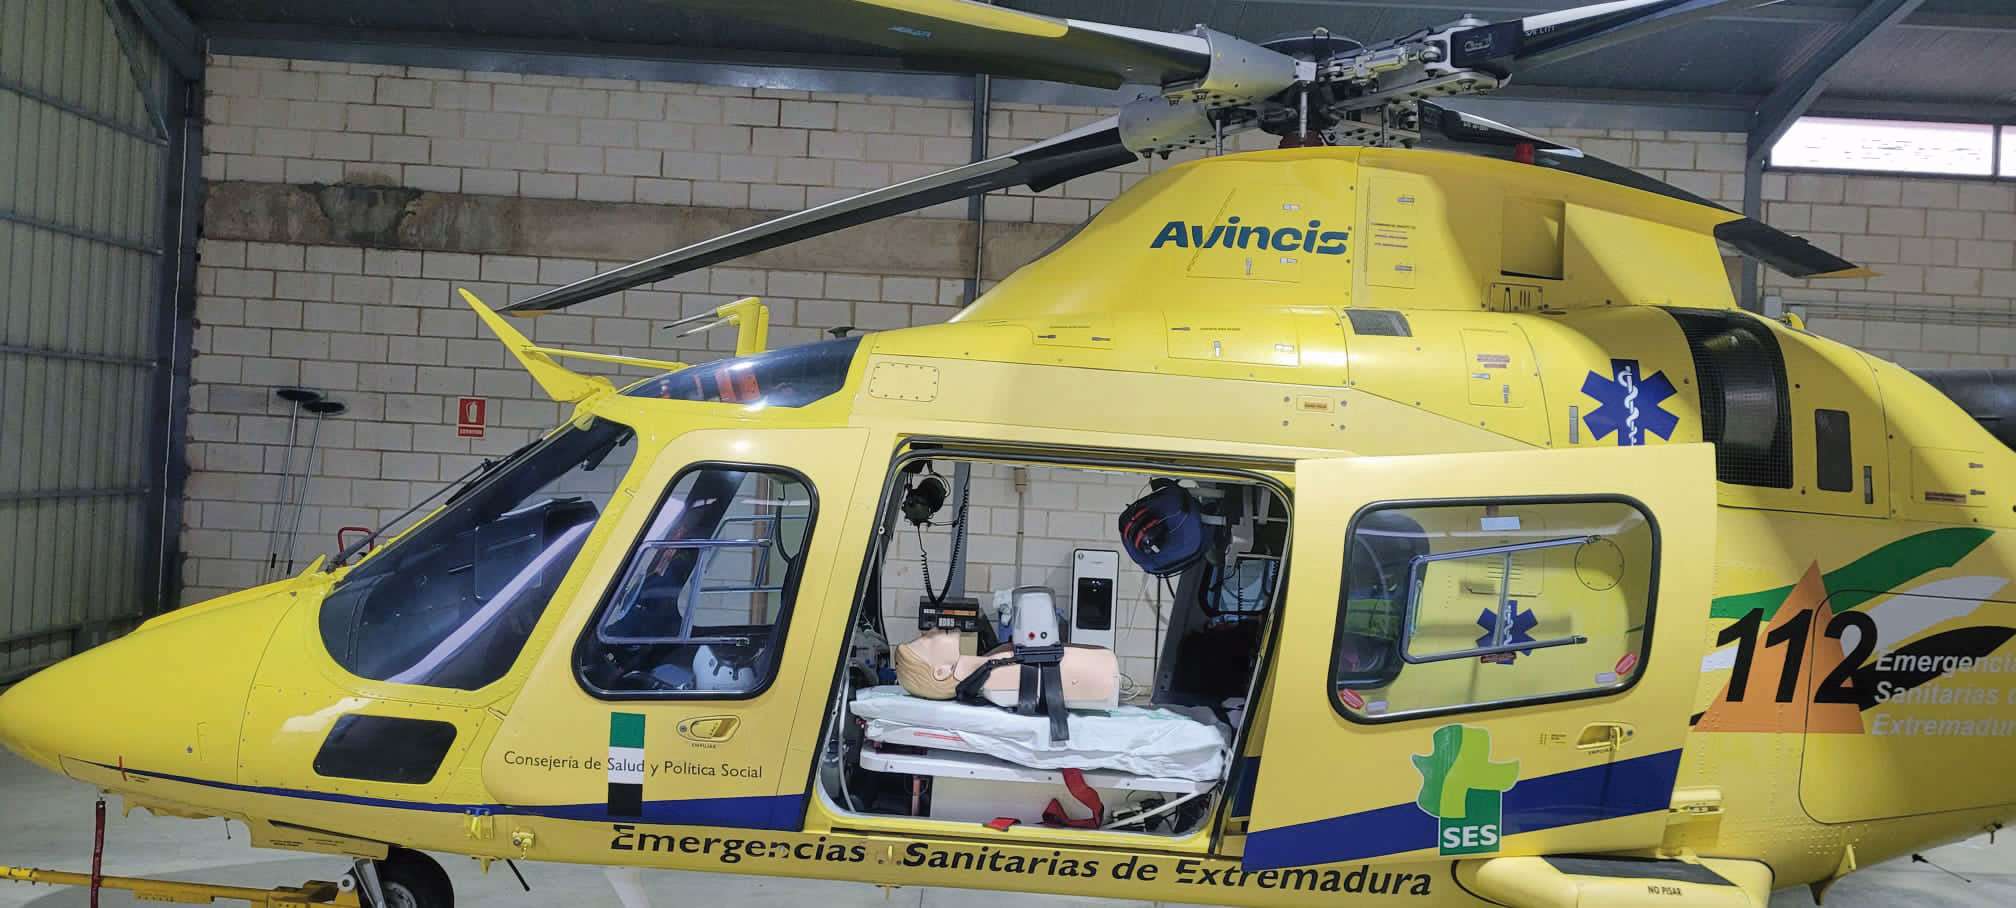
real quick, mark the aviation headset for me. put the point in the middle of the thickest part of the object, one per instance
(923, 497)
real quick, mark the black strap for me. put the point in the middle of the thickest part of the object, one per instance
(1053, 698)
(1040, 692)
(1029, 693)
(974, 688)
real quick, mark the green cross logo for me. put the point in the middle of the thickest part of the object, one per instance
(1464, 789)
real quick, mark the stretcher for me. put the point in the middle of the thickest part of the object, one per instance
(1157, 743)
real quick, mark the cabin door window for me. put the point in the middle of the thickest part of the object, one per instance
(702, 603)
(1476, 604)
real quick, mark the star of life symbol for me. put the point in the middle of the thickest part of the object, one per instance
(1519, 624)
(1630, 403)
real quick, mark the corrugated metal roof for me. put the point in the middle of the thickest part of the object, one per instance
(1961, 66)
(1953, 52)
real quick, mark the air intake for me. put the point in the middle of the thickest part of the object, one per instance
(1988, 395)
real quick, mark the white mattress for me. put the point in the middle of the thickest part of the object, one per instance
(1149, 742)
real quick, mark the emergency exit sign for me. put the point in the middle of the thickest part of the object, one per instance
(469, 413)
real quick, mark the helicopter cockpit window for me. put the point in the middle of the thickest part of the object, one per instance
(451, 603)
(789, 377)
(700, 605)
(1458, 606)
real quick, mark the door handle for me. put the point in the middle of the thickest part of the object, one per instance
(709, 729)
(1603, 737)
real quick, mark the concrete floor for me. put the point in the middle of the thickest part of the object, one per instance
(45, 821)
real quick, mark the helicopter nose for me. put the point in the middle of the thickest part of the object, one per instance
(75, 709)
(166, 698)
(26, 728)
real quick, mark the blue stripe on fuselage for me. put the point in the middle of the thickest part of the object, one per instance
(1606, 792)
(783, 812)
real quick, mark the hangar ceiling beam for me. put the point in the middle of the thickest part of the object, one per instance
(174, 33)
(1791, 99)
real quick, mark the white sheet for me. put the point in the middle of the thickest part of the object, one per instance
(1150, 742)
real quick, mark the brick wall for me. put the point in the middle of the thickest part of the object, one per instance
(1946, 250)
(375, 325)
(609, 140)
(380, 331)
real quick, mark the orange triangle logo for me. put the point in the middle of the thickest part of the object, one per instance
(1759, 710)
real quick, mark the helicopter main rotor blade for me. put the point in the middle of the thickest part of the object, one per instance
(1545, 38)
(1784, 252)
(1040, 166)
(962, 36)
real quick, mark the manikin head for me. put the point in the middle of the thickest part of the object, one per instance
(928, 666)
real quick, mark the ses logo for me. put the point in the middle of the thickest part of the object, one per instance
(1234, 235)
(1464, 790)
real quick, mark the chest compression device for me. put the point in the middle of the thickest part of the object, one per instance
(1037, 647)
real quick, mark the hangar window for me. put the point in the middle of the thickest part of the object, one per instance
(1746, 411)
(702, 601)
(1888, 146)
(452, 602)
(1479, 604)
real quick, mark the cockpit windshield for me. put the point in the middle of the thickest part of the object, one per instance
(452, 603)
(789, 377)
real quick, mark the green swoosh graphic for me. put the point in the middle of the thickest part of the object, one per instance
(1871, 575)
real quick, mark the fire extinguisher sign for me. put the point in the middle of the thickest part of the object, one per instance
(469, 413)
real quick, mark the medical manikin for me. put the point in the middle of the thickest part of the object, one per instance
(1034, 674)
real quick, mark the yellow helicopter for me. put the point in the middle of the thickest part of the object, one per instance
(1506, 561)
